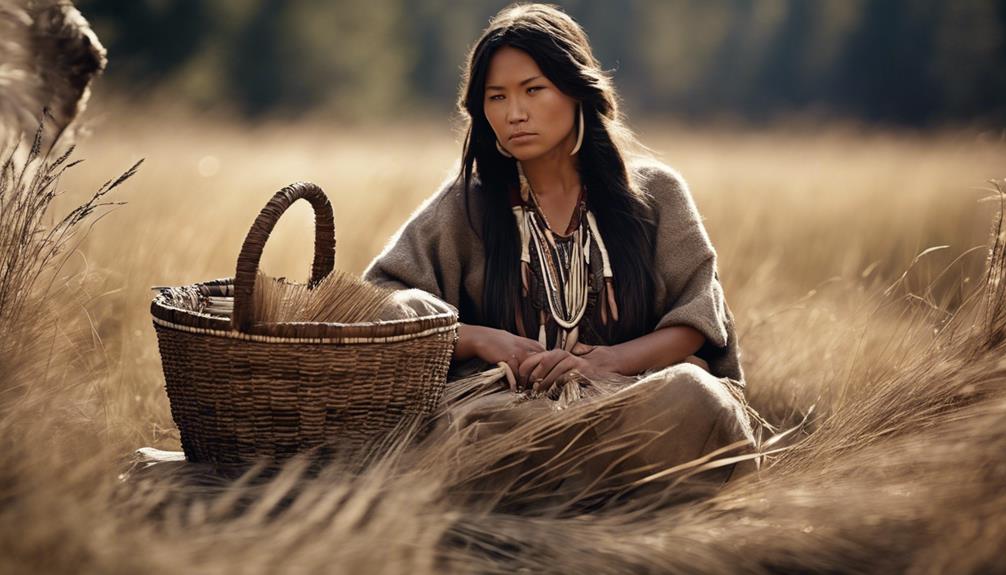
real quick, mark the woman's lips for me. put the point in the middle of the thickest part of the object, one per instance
(518, 138)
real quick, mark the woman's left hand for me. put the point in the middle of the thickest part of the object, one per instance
(541, 370)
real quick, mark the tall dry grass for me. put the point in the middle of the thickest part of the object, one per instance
(896, 358)
(29, 244)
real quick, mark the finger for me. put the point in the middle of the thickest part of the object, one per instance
(582, 348)
(524, 353)
(548, 360)
(514, 364)
(560, 369)
(697, 361)
(526, 366)
(508, 371)
(541, 367)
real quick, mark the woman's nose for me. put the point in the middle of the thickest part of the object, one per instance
(516, 112)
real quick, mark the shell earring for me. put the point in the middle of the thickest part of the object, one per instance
(579, 136)
(502, 151)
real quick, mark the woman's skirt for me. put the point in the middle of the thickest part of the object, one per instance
(673, 427)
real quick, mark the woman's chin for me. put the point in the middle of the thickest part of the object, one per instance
(527, 155)
(530, 152)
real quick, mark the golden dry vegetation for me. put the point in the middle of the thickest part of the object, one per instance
(817, 231)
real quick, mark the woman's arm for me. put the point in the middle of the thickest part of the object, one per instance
(658, 349)
(495, 346)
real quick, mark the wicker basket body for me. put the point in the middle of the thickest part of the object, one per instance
(242, 391)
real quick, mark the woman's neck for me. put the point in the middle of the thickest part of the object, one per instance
(553, 176)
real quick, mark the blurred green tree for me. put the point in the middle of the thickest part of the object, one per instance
(913, 62)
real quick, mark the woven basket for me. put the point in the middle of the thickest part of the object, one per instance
(242, 391)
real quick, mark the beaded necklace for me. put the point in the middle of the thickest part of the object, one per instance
(565, 268)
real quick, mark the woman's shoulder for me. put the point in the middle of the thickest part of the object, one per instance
(447, 198)
(662, 186)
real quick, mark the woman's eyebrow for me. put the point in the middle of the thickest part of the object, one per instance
(532, 78)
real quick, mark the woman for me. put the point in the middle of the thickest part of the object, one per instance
(571, 266)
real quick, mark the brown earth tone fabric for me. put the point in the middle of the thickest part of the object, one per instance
(615, 433)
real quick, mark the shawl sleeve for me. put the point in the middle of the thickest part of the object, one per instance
(432, 251)
(687, 286)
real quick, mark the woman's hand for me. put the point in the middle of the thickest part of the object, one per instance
(495, 346)
(697, 361)
(541, 370)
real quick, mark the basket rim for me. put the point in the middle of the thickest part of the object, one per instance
(383, 331)
(347, 339)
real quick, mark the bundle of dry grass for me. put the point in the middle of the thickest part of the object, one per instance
(339, 298)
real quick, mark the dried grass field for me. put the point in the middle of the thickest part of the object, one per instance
(855, 262)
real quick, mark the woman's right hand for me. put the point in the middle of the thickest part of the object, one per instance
(495, 346)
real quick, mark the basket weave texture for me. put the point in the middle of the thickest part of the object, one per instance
(242, 390)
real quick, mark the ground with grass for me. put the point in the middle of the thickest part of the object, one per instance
(856, 263)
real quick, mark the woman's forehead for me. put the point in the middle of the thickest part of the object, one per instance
(511, 66)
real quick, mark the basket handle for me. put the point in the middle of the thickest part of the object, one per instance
(251, 250)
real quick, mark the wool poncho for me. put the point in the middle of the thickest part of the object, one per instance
(438, 251)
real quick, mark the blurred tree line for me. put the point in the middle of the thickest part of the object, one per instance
(910, 62)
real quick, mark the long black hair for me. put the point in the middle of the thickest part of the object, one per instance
(559, 46)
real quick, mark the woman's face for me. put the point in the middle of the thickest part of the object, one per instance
(529, 115)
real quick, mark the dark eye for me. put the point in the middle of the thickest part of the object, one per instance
(535, 88)
(494, 96)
